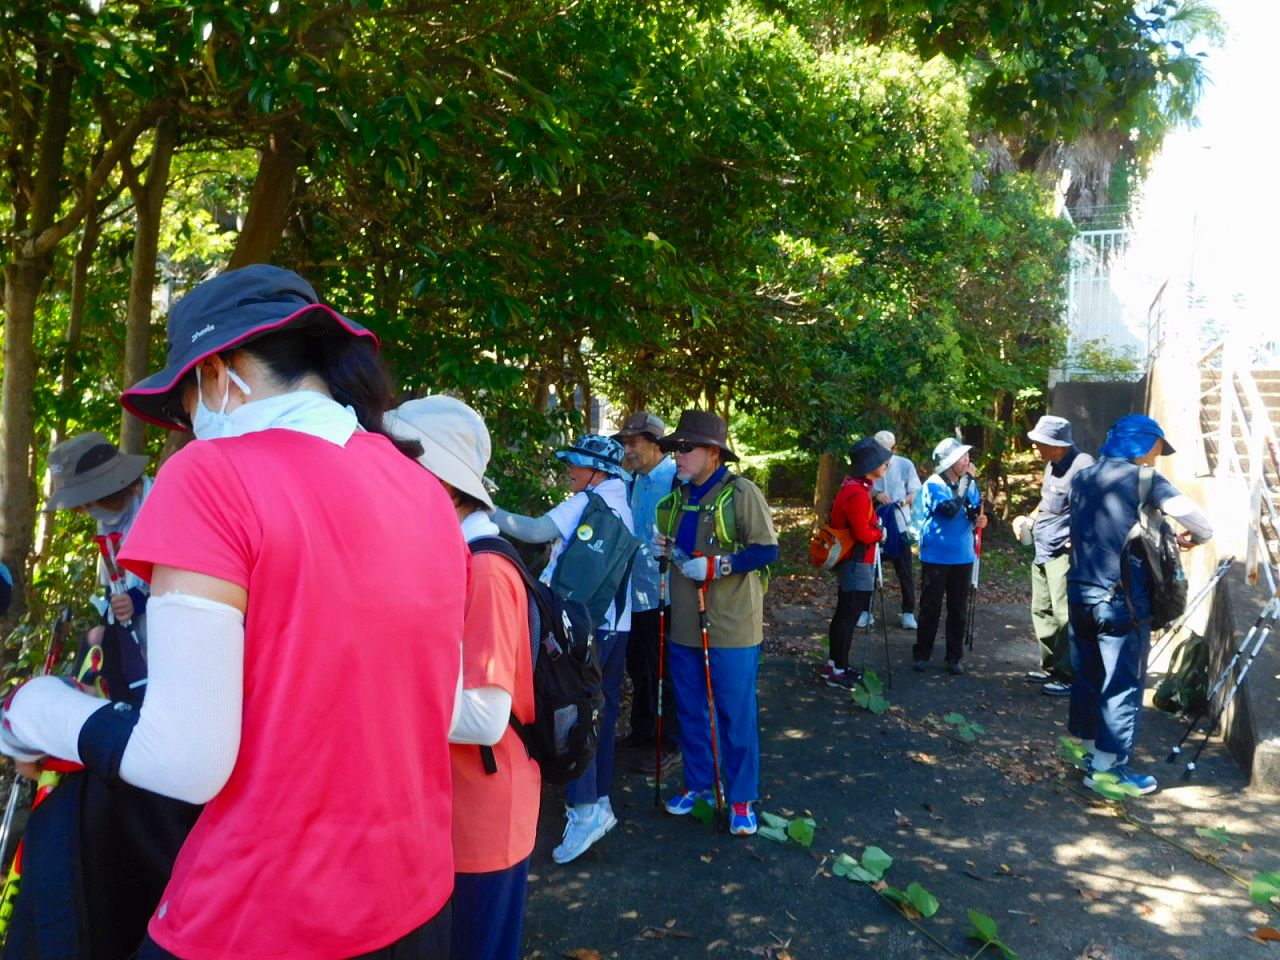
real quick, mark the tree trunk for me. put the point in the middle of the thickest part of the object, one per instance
(22, 280)
(828, 482)
(148, 199)
(23, 275)
(75, 325)
(271, 200)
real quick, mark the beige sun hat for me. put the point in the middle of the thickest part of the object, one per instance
(455, 441)
(87, 468)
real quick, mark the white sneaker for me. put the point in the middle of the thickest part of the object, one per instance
(582, 828)
(865, 619)
(909, 622)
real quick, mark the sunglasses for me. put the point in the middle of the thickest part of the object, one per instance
(684, 446)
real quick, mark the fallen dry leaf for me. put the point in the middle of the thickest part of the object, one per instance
(1265, 934)
(915, 756)
(974, 800)
(1090, 895)
(582, 953)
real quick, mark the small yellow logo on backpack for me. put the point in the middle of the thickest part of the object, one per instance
(585, 532)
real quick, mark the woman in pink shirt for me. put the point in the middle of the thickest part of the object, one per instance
(308, 583)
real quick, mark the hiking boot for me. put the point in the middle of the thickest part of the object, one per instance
(682, 803)
(909, 621)
(1144, 783)
(1056, 688)
(841, 679)
(634, 741)
(583, 827)
(955, 669)
(646, 762)
(865, 619)
(1039, 676)
(920, 666)
(742, 820)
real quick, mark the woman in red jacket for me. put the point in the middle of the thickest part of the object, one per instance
(854, 510)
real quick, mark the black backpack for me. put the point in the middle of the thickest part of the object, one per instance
(595, 565)
(568, 692)
(1157, 544)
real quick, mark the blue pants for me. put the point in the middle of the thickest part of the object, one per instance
(733, 682)
(595, 782)
(488, 913)
(1109, 656)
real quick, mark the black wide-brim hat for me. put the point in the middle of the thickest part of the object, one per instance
(221, 314)
(700, 427)
(867, 455)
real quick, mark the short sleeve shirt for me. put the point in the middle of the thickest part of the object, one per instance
(356, 573)
(566, 516)
(496, 814)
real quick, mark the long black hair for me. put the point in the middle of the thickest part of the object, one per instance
(349, 366)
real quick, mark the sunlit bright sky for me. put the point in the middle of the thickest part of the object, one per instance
(1210, 211)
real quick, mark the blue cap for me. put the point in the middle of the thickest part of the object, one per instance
(1133, 436)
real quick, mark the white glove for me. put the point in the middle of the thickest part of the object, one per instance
(703, 568)
(1022, 529)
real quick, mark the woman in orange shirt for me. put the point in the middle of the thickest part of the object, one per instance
(495, 797)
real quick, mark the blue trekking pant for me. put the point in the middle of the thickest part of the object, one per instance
(1109, 656)
(733, 682)
(596, 780)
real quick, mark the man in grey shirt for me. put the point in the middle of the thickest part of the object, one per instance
(1051, 534)
(898, 487)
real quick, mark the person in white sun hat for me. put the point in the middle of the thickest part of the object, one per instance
(496, 783)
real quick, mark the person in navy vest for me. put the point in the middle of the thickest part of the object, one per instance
(1110, 625)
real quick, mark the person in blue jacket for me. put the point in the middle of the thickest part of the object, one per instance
(949, 509)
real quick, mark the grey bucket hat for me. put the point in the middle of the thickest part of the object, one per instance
(88, 468)
(221, 314)
(642, 423)
(1051, 431)
(455, 441)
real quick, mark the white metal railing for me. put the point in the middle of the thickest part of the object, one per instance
(1241, 409)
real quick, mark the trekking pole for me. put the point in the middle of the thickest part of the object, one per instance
(109, 547)
(884, 620)
(1261, 625)
(662, 637)
(1274, 606)
(50, 775)
(973, 589)
(1194, 603)
(711, 696)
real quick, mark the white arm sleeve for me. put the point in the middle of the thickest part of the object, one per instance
(1183, 509)
(46, 715)
(484, 716)
(188, 732)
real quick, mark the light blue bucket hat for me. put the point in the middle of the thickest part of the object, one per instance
(596, 452)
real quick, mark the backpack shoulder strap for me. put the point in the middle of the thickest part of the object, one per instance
(539, 614)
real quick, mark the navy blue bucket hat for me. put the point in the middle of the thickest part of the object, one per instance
(220, 314)
(867, 455)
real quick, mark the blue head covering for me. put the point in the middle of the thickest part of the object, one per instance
(1132, 436)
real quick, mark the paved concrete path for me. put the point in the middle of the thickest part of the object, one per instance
(1001, 825)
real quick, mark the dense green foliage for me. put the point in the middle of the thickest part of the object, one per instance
(775, 209)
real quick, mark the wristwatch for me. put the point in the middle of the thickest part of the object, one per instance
(725, 568)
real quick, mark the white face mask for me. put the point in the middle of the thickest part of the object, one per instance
(209, 424)
(108, 518)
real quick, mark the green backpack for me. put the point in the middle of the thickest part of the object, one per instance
(671, 508)
(595, 566)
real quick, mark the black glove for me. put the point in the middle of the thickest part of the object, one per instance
(948, 509)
